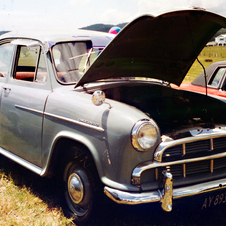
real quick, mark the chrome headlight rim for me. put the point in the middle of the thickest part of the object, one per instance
(135, 135)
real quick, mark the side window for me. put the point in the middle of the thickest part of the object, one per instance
(216, 78)
(6, 53)
(31, 64)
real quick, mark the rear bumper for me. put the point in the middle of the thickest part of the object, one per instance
(166, 196)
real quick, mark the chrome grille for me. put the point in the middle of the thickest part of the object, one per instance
(195, 149)
(219, 142)
(197, 167)
(189, 159)
(193, 168)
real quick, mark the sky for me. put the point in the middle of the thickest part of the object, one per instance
(71, 14)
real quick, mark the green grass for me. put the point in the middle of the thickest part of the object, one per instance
(27, 199)
(211, 53)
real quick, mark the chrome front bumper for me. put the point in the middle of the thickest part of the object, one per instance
(166, 196)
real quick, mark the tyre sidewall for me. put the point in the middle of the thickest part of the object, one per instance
(88, 200)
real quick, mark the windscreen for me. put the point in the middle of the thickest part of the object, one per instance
(71, 60)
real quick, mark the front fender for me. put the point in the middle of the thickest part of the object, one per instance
(105, 132)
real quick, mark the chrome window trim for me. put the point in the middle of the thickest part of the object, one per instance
(100, 129)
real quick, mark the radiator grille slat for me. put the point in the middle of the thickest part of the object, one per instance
(197, 167)
(194, 168)
(195, 149)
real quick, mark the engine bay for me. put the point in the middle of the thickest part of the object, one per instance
(172, 109)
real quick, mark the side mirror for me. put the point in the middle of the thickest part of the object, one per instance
(98, 97)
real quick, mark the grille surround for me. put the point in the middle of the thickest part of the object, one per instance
(194, 149)
(191, 157)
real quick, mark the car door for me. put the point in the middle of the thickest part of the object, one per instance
(6, 54)
(23, 102)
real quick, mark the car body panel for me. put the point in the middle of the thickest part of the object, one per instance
(200, 89)
(23, 110)
(108, 147)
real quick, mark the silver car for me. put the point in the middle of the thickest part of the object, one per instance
(97, 111)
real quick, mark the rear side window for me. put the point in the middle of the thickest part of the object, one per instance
(6, 53)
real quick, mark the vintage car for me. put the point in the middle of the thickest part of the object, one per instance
(215, 82)
(109, 122)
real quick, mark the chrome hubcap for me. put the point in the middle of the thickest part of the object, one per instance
(75, 188)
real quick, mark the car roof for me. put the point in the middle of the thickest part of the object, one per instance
(99, 39)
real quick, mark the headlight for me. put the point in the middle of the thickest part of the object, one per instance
(144, 135)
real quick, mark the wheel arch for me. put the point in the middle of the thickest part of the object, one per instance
(63, 141)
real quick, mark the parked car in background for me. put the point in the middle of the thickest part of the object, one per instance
(215, 80)
(115, 126)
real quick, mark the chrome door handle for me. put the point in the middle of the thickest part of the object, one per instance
(6, 88)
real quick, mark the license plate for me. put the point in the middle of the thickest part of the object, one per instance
(214, 200)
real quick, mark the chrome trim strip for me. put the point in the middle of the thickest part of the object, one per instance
(184, 170)
(211, 165)
(210, 134)
(28, 109)
(184, 149)
(211, 144)
(123, 197)
(100, 129)
(136, 174)
(21, 161)
(131, 198)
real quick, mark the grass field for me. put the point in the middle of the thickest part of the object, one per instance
(207, 56)
(27, 199)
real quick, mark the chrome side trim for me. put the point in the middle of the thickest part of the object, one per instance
(100, 129)
(28, 109)
(21, 161)
(205, 134)
(136, 174)
(131, 198)
(62, 118)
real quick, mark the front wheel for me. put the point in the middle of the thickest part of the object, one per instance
(79, 192)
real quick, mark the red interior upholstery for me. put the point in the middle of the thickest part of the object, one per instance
(24, 75)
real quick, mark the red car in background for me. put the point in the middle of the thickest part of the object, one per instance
(215, 81)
